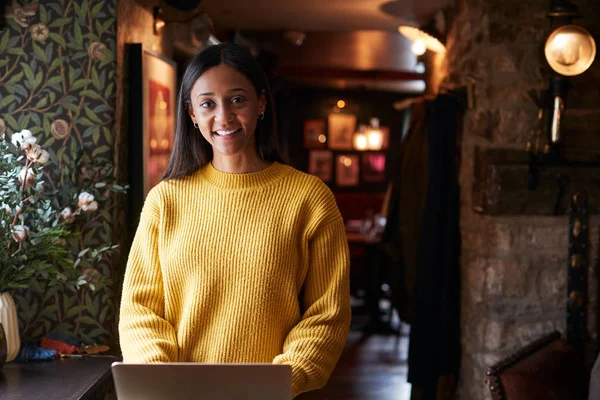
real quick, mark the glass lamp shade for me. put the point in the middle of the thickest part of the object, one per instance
(570, 50)
(415, 34)
(360, 141)
(374, 139)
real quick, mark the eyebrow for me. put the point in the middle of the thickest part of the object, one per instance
(229, 91)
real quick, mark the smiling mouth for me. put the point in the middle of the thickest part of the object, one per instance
(228, 132)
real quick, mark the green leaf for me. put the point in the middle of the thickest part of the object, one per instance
(28, 72)
(55, 64)
(4, 41)
(109, 90)
(90, 114)
(55, 79)
(7, 100)
(71, 75)
(78, 35)
(18, 51)
(107, 135)
(84, 319)
(95, 79)
(91, 94)
(85, 122)
(58, 39)
(15, 78)
(103, 314)
(11, 121)
(59, 22)
(43, 14)
(97, 8)
(39, 52)
(79, 83)
(96, 135)
(38, 79)
(3, 62)
(100, 150)
(75, 310)
(42, 102)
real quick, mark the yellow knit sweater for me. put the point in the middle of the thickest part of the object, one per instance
(236, 268)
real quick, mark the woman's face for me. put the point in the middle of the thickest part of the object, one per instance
(225, 106)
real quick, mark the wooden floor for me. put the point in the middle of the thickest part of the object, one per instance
(372, 367)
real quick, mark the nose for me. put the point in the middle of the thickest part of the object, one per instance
(223, 113)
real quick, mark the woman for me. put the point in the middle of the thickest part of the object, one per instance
(238, 258)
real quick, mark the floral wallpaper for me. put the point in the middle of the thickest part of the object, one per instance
(58, 79)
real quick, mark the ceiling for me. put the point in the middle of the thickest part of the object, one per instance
(341, 35)
(321, 15)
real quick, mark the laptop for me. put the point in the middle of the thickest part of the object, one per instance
(185, 381)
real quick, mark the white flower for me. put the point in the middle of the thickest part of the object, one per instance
(90, 207)
(5, 207)
(26, 175)
(23, 139)
(34, 153)
(85, 198)
(44, 157)
(66, 213)
(20, 232)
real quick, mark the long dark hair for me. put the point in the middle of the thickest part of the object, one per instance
(190, 150)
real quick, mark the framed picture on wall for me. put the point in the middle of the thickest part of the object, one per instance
(341, 128)
(314, 134)
(373, 167)
(346, 170)
(160, 81)
(152, 85)
(320, 163)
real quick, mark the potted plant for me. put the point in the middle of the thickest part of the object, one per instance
(43, 216)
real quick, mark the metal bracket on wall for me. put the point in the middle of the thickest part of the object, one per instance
(577, 275)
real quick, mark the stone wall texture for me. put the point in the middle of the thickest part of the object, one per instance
(514, 268)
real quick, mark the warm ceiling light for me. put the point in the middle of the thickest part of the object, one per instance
(418, 47)
(414, 34)
(570, 50)
(341, 103)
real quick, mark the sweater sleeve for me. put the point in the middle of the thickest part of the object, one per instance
(314, 345)
(145, 335)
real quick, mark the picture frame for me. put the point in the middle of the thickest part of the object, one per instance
(373, 167)
(320, 163)
(151, 97)
(159, 78)
(314, 134)
(341, 129)
(347, 169)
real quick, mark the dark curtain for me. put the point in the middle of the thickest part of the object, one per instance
(434, 349)
(408, 178)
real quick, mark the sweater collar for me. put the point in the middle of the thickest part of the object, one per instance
(242, 181)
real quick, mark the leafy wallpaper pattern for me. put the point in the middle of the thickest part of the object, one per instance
(58, 79)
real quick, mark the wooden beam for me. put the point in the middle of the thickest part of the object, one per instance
(296, 71)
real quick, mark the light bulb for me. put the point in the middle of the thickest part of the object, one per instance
(418, 47)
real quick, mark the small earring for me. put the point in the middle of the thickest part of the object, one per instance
(261, 115)
(195, 125)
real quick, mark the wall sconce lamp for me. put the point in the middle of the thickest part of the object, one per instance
(425, 37)
(368, 137)
(570, 50)
(158, 23)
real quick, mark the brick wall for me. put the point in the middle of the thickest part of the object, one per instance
(514, 267)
